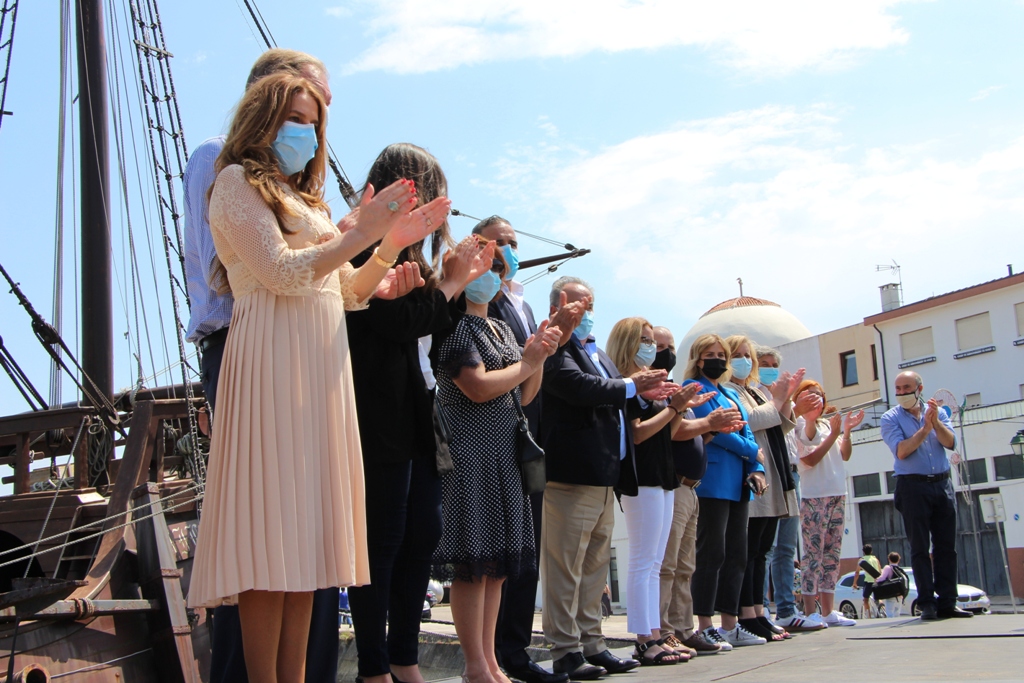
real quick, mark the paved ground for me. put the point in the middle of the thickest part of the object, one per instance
(985, 648)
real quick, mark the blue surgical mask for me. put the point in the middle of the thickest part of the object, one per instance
(645, 356)
(768, 375)
(294, 146)
(741, 368)
(484, 288)
(585, 327)
(512, 259)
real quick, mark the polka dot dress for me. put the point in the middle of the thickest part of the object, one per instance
(488, 526)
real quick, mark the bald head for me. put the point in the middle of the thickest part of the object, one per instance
(663, 338)
(908, 382)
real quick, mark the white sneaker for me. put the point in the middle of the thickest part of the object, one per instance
(798, 623)
(837, 619)
(740, 637)
(816, 619)
(711, 635)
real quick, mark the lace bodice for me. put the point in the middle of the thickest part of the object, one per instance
(256, 254)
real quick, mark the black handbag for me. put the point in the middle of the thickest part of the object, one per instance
(531, 459)
(896, 587)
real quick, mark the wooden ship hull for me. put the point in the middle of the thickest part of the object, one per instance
(112, 571)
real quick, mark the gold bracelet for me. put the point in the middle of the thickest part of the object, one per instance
(381, 262)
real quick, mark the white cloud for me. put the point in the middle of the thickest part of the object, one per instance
(339, 11)
(780, 36)
(985, 92)
(776, 196)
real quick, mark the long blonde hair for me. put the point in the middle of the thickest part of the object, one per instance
(624, 342)
(735, 342)
(263, 109)
(699, 346)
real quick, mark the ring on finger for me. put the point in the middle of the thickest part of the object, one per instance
(392, 206)
(429, 222)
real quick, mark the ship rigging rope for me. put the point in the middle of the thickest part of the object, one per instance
(164, 508)
(20, 379)
(58, 229)
(9, 9)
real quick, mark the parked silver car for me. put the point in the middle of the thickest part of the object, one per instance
(849, 600)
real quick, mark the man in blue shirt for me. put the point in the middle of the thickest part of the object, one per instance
(918, 434)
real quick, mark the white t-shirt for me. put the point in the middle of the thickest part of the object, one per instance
(828, 477)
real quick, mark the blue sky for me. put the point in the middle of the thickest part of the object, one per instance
(794, 144)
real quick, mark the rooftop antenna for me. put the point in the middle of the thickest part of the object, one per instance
(895, 269)
(740, 280)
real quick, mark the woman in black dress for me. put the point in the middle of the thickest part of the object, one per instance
(488, 528)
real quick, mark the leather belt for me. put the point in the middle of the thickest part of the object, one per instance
(928, 478)
(689, 483)
(213, 338)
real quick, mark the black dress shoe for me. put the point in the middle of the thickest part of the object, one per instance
(954, 613)
(577, 669)
(929, 613)
(613, 664)
(534, 673)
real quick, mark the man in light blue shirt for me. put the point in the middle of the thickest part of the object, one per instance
(918, 434)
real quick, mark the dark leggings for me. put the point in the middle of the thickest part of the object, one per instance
(403, 527)
(721, 557)
(760, 538)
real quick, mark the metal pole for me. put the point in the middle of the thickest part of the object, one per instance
(1006, 566)
(97, 314)
(974, 508)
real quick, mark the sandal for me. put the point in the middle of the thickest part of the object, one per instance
(663, 658)
(671, 642)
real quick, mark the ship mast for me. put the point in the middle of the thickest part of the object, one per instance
(97, 314)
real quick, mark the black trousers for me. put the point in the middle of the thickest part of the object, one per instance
(929, 518)
(518, 604)
(403, 528)
(760, 539)
(227, 659)
(721, 557)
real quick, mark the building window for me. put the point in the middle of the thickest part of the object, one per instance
(848, 367)
(973, 332)
(867, 485)
(917, 344)
(976, 471)
(1008, 467)
(874, 363)
(1019, 309)
(973, 400)
(890, 482)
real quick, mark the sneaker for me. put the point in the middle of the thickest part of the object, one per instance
(837, 619)
(697, 643)
(713, 637)
(801, 624)
(740, 637)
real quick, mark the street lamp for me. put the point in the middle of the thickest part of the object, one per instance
(1017, 443)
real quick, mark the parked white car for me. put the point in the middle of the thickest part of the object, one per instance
(849, 600)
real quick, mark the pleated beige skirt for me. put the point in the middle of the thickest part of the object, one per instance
(284, 508)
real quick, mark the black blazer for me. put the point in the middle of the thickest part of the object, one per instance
(392, 399)
(502, 309)
(580, 418)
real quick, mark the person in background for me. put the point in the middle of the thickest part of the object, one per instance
(770, 415)
(266, 541)
(822, 446)
(585, 435)
(869, 580)
(647, 482)
(689, 464)
(390, 342)
(488, 526)
(734, 473)
(519, 596)
(208, 330)
(893, 606)
(781, 559)
(918, 433)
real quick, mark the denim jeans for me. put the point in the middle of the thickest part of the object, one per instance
(780, 561)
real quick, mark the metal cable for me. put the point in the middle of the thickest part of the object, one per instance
(10, 8)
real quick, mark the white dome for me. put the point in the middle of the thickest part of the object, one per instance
(765, 322)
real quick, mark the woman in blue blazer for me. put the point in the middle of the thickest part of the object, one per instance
(733, 475)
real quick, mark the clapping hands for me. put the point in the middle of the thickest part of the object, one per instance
(567, 316)
(399, 281)
(541, 344)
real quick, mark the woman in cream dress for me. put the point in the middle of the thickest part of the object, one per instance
(283, 513)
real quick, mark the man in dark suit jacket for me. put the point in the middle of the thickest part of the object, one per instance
(585, 434)
(519, 596)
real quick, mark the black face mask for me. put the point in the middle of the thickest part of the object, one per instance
(664, 360)
(714, 367)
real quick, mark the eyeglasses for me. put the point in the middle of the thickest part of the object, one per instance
(646, 340)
